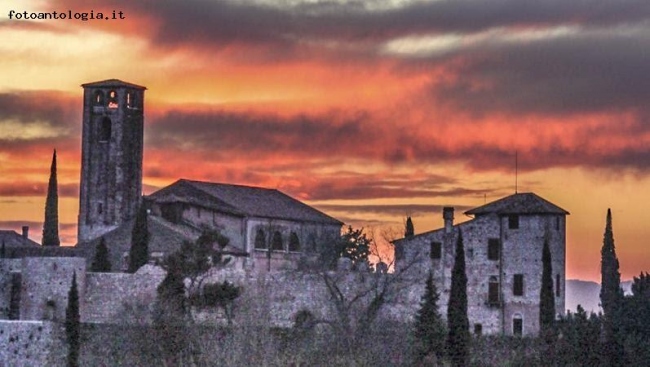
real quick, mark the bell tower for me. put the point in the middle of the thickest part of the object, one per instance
(111, 156)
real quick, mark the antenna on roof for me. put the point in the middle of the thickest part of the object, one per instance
(516, 170)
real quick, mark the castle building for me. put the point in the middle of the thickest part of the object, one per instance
(267, 229)
(503, 252)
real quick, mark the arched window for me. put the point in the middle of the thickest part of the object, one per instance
(517, 325)
(260, 240)
(294, 242)
(98, 99)
(112, 99)
(105, 130)
(276, 242)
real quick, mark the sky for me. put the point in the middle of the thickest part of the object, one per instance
(368, 110)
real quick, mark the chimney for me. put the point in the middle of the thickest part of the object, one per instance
(25, 232)
(448, 216)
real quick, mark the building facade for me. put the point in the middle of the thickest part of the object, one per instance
(503, 245)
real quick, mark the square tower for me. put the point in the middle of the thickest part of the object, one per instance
(111, 156)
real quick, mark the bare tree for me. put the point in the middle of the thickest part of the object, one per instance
(358, 296)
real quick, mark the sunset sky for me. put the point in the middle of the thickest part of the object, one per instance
(368, 110)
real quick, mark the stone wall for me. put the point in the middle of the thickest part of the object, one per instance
(28, 343)
(120, 297)
(45, 285)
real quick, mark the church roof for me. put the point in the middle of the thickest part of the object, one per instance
(115, 83)
(245, 201)
(521, 203)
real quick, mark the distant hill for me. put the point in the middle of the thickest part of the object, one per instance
(586, 294)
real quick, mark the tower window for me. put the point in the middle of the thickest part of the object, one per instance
(100, 208)
(128, 99)
(105, 130)
(436, 250)
(98, 99)
(558, 292)
(494, 247)
(518, 285)
(513, 221)
(112, 99)
(557, 223)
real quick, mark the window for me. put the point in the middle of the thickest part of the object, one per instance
(558, 291)
(470, 253)
(557, 223)
(260, 240)
(494, 247)
(112, 99)
(493, 291)
(518, 285)
(294, 242)
(478, 329)
(100, 208)
(436, 250)
(128, 99)
(105, 130)
(98, 99)
(276, 242)
(513, 221)
(517, 325)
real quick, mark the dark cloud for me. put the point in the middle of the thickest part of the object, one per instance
(219, 136)
(25, 188)
(583, 72)
(399, 210)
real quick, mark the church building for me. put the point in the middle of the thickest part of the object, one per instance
(267, 229)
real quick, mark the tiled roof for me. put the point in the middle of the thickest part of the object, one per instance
(245, 201)
(522, 203)
(164, 237)
(11, 239)
(113, 83)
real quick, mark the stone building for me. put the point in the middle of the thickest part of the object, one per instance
(503, 251)
(267, 229)
(111, 156)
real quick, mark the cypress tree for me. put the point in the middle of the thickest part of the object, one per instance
(546, 299)
(101, 263)
(429, 329)
(611, 297)
(51, 224)
(73, 324)
(409, 230)
(139, 253)
(457, 320)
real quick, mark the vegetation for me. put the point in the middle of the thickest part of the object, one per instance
(458, 338)
(355, 245)
(101, 262)
(51, 223)
(611, 298)
(430, 330)
(546, 297)
(409, 230)
(139, 253)
(73, 324)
